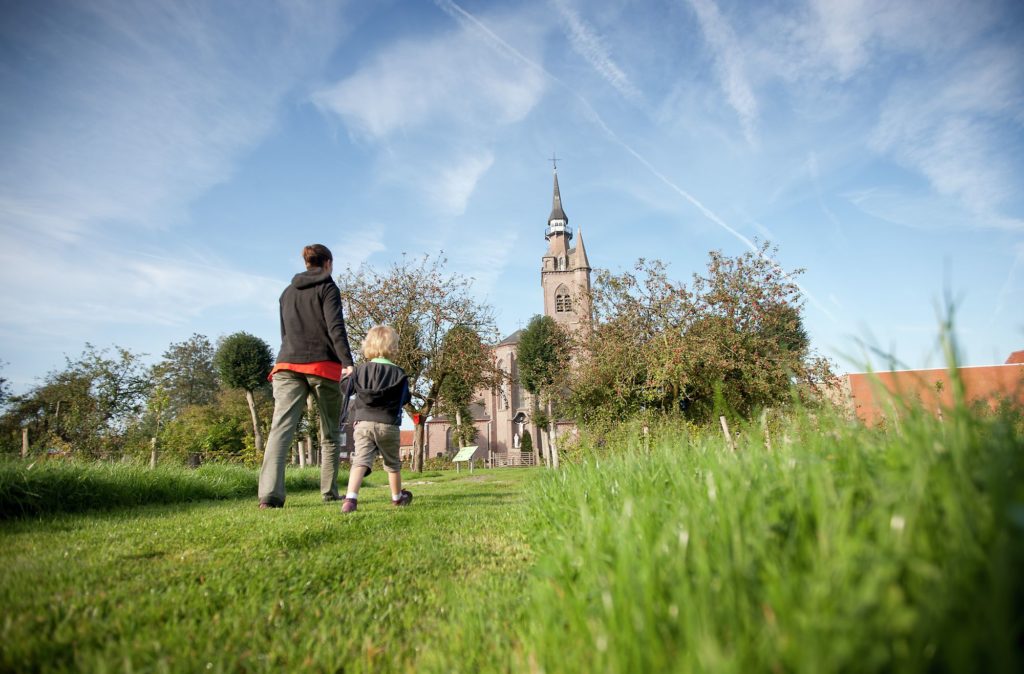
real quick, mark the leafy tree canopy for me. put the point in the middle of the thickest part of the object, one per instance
(543, 355)
(187, 375)
(734, 335)
(243, 361)
(84, 407)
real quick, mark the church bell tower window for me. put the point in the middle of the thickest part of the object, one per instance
(563, 301)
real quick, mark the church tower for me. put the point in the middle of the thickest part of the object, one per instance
(565, 271)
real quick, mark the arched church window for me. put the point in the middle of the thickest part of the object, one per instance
(563, 301)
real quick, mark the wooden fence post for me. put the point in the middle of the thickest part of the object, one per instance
(764, 427)
(728, 435)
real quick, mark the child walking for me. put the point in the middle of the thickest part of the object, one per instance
(381, 388)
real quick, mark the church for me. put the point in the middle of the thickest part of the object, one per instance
(501, 416)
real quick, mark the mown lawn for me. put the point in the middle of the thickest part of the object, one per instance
(223, 587)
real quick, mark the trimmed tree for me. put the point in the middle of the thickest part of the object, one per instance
(543, 354)
(244, 362)
(424, 303)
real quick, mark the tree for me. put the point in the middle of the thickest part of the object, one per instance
(86, 407)
(748, 341)
(187, 374)
(543, 353)
(212, 431)
(423, 303)
(244, 362)
(466, 378)
(734, 336)
(629, 361)
(5, 388)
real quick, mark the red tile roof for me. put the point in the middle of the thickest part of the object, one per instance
(406, 439)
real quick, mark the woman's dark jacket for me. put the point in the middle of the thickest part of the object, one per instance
(312, 324)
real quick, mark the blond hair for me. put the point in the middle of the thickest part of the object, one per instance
(380, 342)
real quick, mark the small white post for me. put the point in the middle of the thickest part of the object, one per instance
(728, 435)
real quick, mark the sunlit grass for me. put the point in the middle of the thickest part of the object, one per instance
(840, 549)
(221, 586)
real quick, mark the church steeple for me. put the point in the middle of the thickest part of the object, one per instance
(565, 271)
(558, 221)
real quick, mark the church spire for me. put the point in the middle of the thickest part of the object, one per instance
(558, 221)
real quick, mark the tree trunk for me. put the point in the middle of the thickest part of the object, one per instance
(552, 447)
(312, 425)
(458, 430)
(257, 435)
(152, 452)
(538, 437)
(24, 443)
(417, 447)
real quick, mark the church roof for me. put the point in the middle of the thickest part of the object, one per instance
(556, 205)
(511, 339)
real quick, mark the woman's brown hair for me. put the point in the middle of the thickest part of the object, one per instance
(316, 255)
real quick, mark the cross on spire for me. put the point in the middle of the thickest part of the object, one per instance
(554, 161)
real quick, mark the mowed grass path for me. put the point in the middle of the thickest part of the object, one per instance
(220, 586)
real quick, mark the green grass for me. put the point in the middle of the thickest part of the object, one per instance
(841, 549)
(71, 486)
(221, 586)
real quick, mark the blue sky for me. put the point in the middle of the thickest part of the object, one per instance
(164, 162)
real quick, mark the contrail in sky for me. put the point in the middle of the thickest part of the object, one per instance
(462, 16)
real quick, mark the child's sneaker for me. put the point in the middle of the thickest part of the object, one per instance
(404, 499)
(348, 505)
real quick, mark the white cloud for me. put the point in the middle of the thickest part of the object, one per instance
(948, 128)
(483, 258)
(117, 116)
(94, 285)
(589, 45)
(359, 245)
(838, 41)
(455, 79)
(729, 62)
(456, 183)
(1011, 286)
(849, 34)
(921, 210)
(141, 107)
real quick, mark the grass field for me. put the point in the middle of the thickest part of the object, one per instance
(221, 586)
(838, 549)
